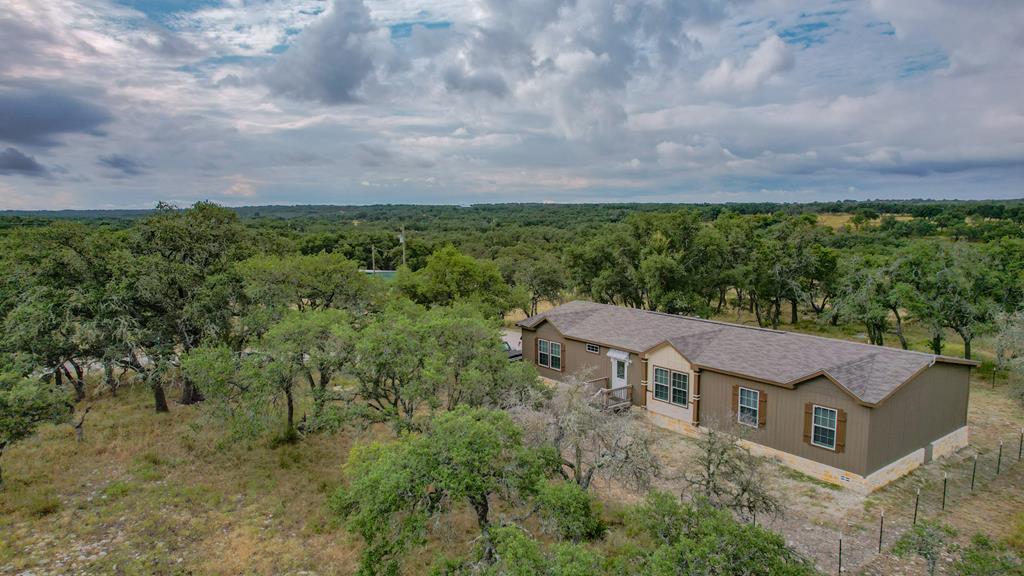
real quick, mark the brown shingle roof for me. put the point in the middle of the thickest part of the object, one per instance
(869, 373)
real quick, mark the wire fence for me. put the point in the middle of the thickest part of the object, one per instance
(960, 479)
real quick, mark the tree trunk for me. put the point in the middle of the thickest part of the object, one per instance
(794, 315)
(80, 425)
(190, 393)
(755, 307)
(936, 343)
(79, 380)
(2, 446)
(899, 328)
(967, 337)
(587, 478)
(76, 382)
(159, 397)
(291, 408)
(482, 508)
(108, 377)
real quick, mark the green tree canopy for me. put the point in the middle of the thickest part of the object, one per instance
(450, 275)
(466, 456)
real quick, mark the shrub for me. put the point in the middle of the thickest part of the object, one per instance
(570, 512)
(42, 504)
(661, 516)
(927, 539)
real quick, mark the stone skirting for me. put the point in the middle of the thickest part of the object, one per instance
(950, 443)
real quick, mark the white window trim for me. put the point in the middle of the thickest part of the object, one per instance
(550, 355)
(835, 431)
(593, 348)
(757, 408)
(671, 389)
(668, 384)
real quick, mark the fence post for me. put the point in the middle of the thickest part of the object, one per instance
(974, 473)
(840, 555)
(999, 459)
(881, 530)
(945, 482)
(1020, 449)
(917, 500)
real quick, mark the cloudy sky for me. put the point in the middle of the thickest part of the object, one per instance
(121, 104)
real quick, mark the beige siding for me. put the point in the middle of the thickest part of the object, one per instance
(576, 359)
(667, 357)
(925, 409)
(784, 426)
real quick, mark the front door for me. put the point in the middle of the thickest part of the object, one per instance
(618, 373)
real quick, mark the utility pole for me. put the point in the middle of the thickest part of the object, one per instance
(373, 259)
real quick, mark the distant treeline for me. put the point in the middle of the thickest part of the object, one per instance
(538, 213)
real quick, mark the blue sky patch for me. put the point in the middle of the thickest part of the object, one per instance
(805, 35)
(822, 14)
(924, 63)
(883, 28)
(404, 29)
(160, 10)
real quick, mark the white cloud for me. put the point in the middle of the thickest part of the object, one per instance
(768, 60)
(240, 187)
(284, 101)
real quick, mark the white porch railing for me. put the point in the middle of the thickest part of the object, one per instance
(607, 396)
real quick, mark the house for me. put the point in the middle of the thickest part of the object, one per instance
(848, 413)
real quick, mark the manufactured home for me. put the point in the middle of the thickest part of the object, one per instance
(848, 413)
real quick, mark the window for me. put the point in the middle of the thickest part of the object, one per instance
(671, 386)
(747, 410)
(680, 388)
(593, 348)
(823, 427)
(620, 369)
(661, 384)
(549, 354)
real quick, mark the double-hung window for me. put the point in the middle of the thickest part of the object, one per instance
(823, 427)
(671, 386)
(661, 377)
(549, 354)
(747, 411)
(680, 388)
